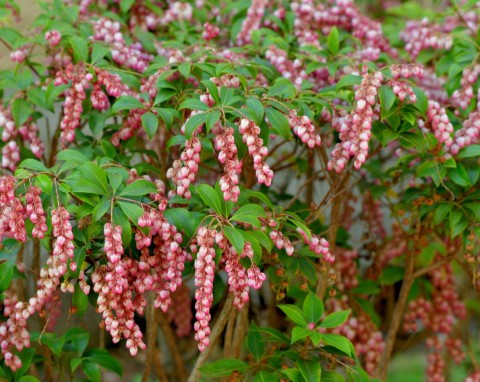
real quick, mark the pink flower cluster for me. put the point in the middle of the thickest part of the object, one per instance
(406, 71)
(133, 56)
(462, 96)
(19, 55)
(72, 112)
(401, 89)
(204, 276)
(184, 170)
(439, 123)
(319, 245)
(12, 213)
(291, 70)
(252, 21)
(303, 128)
(355, 131)
(53, 37)
(35, 212)
(280, 241)
(232, 167)
(250, 133)
(469, 134)
(210, 31)
(420, 35)
(28, 132)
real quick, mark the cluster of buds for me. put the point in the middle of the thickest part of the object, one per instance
(112, 282)
(251, 136)
(72, 112)
(132, 56)
(420, 35)
(19, 55)
(28, 132)
(204, 276)
(462, 97)
(401, 89)
(232, 167)
(35, 212)
(280, 241)
(177, 11)
(303, 128)
(469, 134)
(184, 170)
(355, 131)
(439, 123)
(255, 277)
(12, 213)
(53, 37)
(210, 31)
(113, 83)
(319, 245)
(252, 21)
(291, 70)
(63, 244)
(406, 71)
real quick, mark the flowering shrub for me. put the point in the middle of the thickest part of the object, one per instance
(291, 187)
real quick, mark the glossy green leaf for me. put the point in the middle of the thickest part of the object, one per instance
(104, 359)
(299, 333)
(279, 122)
(34, 165)
(79, 300)
(80, 49)
(139, 187)
(235, 238)
(224, 367)
(333, 41)
(313, 308)
(210, 197)
(6, 275)
(21, 111)
(310, 369)
(294, 313)
(335, 319)
(127, 103)
(150, 124)
(193, 123)
(256, 106)
(95, 174)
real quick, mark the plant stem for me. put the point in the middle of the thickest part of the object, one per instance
(399, 306)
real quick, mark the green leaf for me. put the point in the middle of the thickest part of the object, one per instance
(101, 209)
(293, 374)
(294, 313)
(212, 89)
(33, 164)
(224, 367)
(348, 80)
(475, 208)
(193, 104)
(98, 52)
(80, 49)
(184, 68)
(311, 369)
(84, 186)
(387, 98)
(69, 155)
(337, 341)
(332, 376)
(391, 275)
(235, 238)
(282, 87)
(125, 5)
(249, 213)
(193, 123)
(79, 300)
(471, 151)
(150, 124)
(441, 212)
(91, 370)
(299, 333)
(335, 319)
(313, 308)
(422, 100)
(210, 197)
(6, 275)
(265, 376)
(103, 358)
(127, 103)
(255, 343)
(212, 118)
(131, 210)
(138, 188)
(21, 111)
(95, 174)
(256, 106)
(54, 343)
(119, 218)
(274, 335)
(44, 182)
(279, 122)
(28, 378)
(333, 42)
(75, 363)
(78, 338)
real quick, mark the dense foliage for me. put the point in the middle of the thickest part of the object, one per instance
(291, 187)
